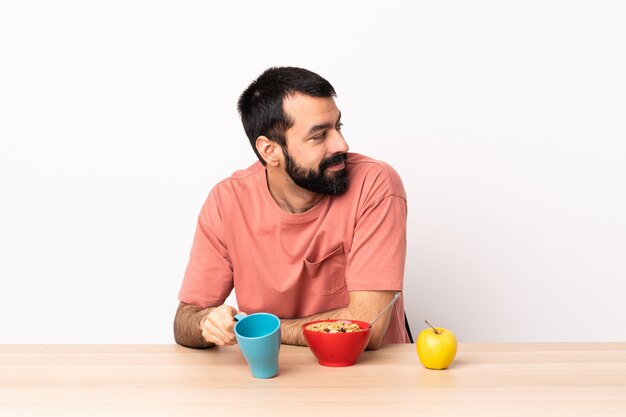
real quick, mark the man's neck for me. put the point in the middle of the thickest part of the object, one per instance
(288, 195)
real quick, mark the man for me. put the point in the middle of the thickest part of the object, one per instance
(309, 232)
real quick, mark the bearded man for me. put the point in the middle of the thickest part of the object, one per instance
(309, 231)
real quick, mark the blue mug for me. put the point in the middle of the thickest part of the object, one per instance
(258, 336)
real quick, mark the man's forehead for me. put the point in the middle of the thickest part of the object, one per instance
(309, 110)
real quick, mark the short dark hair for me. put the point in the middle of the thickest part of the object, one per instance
(261, 104)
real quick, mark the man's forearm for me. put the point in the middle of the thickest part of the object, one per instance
(291, 329)
(363, 306)
(187, 326)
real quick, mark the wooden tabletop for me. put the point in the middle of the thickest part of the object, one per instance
(166, 380)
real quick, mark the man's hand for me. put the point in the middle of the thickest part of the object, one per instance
(198, 327)
(218, 327)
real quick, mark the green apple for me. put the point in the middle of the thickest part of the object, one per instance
(436, 347)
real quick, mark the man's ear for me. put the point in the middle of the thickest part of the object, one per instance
(268, 149)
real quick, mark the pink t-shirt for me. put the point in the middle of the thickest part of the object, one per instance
(297, 265)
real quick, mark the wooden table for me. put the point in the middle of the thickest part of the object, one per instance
(168, 380)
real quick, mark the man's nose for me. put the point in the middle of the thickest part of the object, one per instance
(339, 144)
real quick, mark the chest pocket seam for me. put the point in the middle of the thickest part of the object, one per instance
(327, 275)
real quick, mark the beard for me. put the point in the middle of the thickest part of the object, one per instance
(320, 181)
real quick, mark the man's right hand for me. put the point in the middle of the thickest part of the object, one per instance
(218, 326)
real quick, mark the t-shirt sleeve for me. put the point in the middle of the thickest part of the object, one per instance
(208, 278)
(378, 253)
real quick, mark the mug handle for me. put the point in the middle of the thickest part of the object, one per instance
(239, 317)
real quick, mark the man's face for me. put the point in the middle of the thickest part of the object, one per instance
(315, 155)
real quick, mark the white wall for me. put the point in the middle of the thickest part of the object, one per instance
(505, 120)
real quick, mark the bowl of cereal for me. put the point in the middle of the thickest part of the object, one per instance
(337, 342)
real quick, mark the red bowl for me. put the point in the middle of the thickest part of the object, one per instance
(337, 349)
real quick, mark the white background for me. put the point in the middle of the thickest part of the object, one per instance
(506, 121)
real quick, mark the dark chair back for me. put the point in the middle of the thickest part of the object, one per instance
(408, 329)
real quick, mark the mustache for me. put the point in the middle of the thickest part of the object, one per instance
(333, 160)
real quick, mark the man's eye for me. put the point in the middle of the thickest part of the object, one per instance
(320, 136)
(338, 127)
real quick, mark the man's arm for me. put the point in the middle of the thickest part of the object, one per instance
(188, 326)
(363, 306)
(198, 327)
